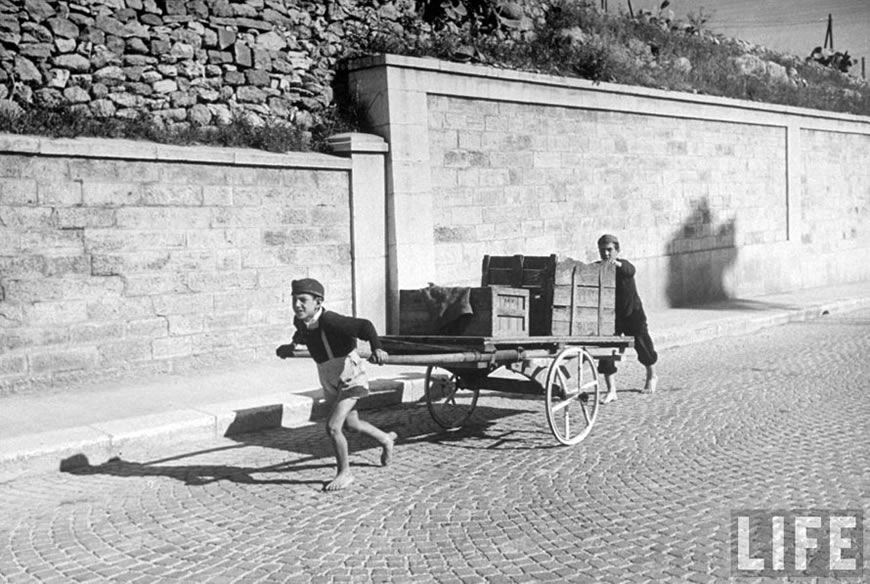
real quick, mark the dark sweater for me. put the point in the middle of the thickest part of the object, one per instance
(627, 299)
(341, 332)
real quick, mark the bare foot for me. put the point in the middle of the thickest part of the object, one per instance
(341, 481)
(651, 384)
(387, 449)
(611, 396)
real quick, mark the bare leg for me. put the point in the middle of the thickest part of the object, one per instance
(334, 425)
(651, 379)
(386, 439)
(610, 382)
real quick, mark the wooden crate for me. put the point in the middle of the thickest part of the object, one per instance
(568, 297)
(584, 299)
(497, 311)
(534, 273)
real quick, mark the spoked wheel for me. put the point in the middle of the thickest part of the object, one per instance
(450, 400)
(572, 395)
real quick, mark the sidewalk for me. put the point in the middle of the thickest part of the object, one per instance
(136, 419)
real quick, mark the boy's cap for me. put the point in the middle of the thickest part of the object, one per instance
(607, 238)
(307, 286)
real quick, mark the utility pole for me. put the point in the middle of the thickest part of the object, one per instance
(829, 34)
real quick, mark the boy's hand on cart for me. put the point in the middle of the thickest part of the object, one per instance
(378, 356)
(286, 351)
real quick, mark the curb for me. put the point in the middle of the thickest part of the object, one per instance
(741, 325)
(150, 436)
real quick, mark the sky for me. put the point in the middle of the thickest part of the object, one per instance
(792, 26)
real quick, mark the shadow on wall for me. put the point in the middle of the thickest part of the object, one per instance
(700, 253)
(354, 114)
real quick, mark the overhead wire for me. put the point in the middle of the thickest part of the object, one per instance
(737, 15)
(734, 18)
(794, 18)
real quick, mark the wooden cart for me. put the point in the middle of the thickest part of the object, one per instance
(542, 315)
(458, 368)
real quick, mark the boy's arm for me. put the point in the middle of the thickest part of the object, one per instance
(360, 328)
(625, 268)
(289, 350)
(286, 351)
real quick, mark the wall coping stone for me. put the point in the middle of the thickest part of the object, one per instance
(136, 150)
(356, 142)
(468, 70)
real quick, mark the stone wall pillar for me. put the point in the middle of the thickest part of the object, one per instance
(396, 106)
(794, 171)
(368, 223)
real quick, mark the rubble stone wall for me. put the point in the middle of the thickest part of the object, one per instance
(200, 61)
(121, 258)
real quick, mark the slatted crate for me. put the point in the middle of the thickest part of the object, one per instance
(567, 297)
(584, 299)
(497, 311)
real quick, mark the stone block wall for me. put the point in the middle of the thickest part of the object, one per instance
(509, 176)
(711, 197)
(124, 258)
(835, 200)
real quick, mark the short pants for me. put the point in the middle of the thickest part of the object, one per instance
(343, 377)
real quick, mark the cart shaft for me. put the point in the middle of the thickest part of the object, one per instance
(499, 356)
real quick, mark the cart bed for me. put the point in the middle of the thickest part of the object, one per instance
(598, 346)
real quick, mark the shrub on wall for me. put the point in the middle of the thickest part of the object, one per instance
(578, 39)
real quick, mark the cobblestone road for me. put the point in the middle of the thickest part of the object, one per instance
(774, 420)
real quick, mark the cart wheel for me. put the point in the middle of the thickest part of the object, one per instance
(450, 402)
(572, 395)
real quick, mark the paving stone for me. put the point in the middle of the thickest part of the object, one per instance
(773, 420)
